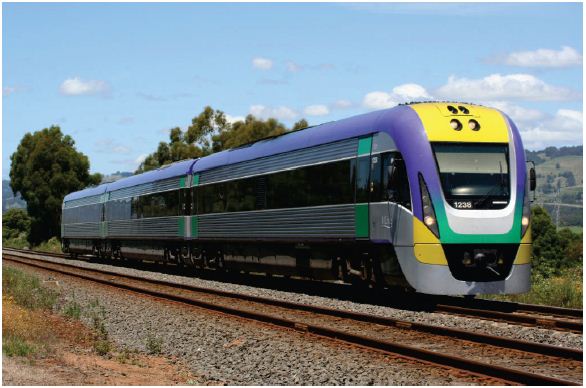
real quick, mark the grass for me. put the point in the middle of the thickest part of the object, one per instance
(13, 345)
(25, 303)
(566, 163)
(26, 290)
(53, 246)
(154, 344)
(19, 242)
(565, 290)
(26, 308)
(72, 310)
(97, 314)
(575, 229)
(25, 332)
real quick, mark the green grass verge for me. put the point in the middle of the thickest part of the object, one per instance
(26, 290)
(564, 290)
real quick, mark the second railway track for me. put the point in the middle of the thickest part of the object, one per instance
(511, 360)
(548, 317)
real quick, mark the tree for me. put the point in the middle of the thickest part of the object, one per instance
(45, 167)
(553, 250)
(211, 132)
(16, 223)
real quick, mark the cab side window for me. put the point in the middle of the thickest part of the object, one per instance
(395, 183)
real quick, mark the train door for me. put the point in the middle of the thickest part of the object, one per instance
(389, 195)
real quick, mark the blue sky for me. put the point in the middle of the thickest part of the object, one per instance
(116, 77)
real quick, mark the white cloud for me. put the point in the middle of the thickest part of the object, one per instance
(343, 104)
(262, 63)
(293, 67)
(567, 56)
(504, 87)
(316, 110)
(78, 87)
(140, 159)
(399, 94)
(232, 119)
(281, 112)
(564, 128)
(517, 113)
(411, 91)
(109, 146)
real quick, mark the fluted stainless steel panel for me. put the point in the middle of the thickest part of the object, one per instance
(120, 209)
(146, 227)
(323, 153)
(146, 188)
(314, 222)
(86, 229)
(81, 214)
(83, 201)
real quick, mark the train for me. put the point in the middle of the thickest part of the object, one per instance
(431, 196)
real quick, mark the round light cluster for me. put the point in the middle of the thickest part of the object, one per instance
(473, 124)
(456, 125)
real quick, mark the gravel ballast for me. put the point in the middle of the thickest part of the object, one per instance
(540, 335)
(224, 349)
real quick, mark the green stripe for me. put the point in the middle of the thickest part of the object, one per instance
(181, 224)
(364, 146)
(195, 180)
(182, 182)
(361, 220)
(448, 236)
(194, 231)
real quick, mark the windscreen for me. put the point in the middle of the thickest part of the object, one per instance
(474, 175)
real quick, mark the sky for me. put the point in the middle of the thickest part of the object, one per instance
(117, 77)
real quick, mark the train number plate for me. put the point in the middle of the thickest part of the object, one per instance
(463, 204)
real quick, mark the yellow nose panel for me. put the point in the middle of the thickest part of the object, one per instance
(436, 118)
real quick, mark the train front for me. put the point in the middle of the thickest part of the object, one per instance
(470, 195)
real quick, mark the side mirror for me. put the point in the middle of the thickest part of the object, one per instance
(532, 179)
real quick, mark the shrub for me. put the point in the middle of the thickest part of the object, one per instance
(154, 344)
(53, 245)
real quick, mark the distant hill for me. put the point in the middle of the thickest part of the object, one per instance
(9, 200)
(560, 178)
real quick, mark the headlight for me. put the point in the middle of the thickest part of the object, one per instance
(429, 221)
(526, 220)
(428, 211)
(456, 125)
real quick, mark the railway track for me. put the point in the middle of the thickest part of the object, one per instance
(531, 315)
(479, 354)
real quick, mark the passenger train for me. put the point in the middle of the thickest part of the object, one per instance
(432, 196)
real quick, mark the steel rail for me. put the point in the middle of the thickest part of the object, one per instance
(513, 317)
(483, 308)
(476, 367)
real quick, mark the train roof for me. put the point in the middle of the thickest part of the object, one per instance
(88, 192)
(325, 133)
(182, 167)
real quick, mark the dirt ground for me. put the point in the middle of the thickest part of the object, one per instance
(70, 359)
